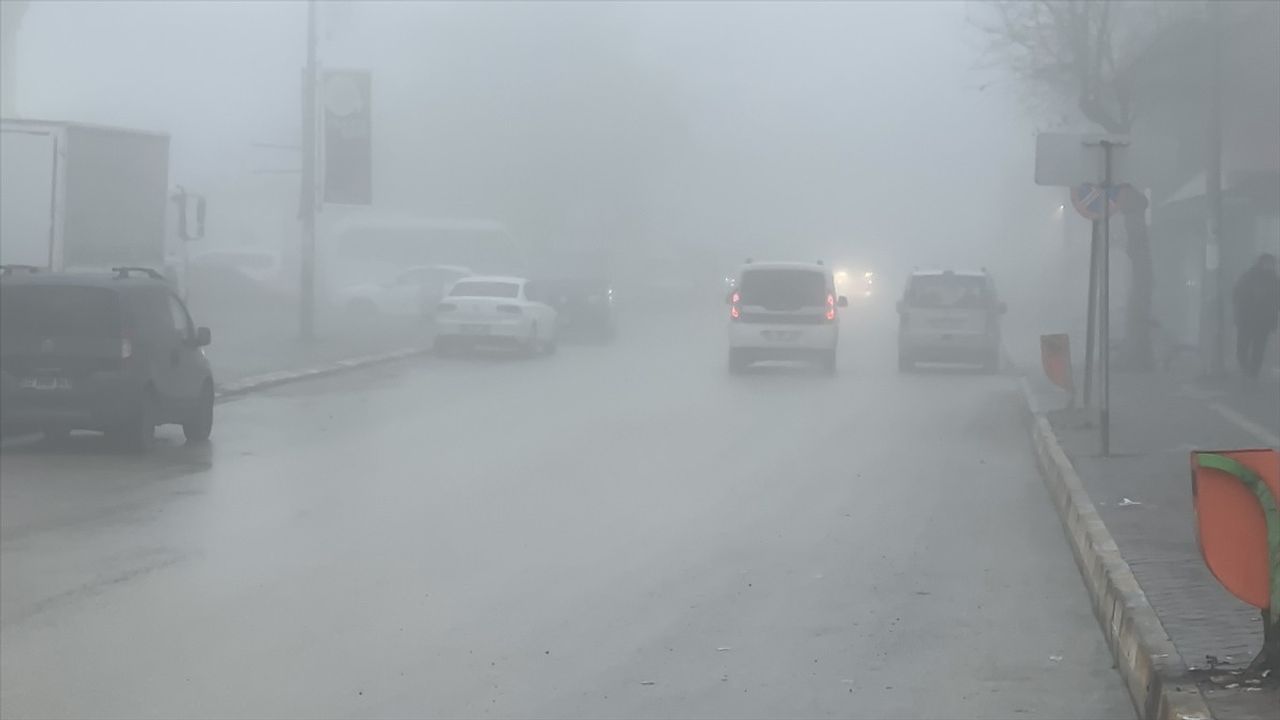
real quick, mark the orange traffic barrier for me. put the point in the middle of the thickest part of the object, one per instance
(1055, 356)
(1237, 521)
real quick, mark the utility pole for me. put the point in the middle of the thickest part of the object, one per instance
(307, 280)
(1214, 285)
(1104, 281)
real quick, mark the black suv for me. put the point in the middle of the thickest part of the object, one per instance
(577, 285)
(114, 352)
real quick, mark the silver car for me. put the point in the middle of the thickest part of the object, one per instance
(952, 317)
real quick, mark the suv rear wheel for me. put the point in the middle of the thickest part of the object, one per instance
(199, 426)
(828, 362)
(137, 433)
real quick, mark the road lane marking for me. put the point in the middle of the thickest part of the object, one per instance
(1249, 426)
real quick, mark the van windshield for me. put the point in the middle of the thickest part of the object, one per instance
(58, 311)
(783, 289)
(948, 291)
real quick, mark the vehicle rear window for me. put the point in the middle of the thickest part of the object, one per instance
(59, 311)
(783, 289)
(468, 288)
(947, 291)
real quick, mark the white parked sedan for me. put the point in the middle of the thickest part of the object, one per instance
(495, 311)
(415, 291)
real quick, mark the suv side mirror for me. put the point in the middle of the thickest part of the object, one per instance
(843, 301)
(203, 337)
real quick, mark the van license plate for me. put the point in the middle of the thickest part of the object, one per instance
(46, 383)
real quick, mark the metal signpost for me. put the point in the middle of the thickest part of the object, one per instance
(1104, 281)
(1091, 201)
(1069, 160)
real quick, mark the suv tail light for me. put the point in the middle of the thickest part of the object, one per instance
(510, 309)
(126, 348)
(831, 306)
(735, 311)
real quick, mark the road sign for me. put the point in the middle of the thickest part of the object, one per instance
(1087, 198)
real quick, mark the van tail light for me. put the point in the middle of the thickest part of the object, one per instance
(831, 306)
(126, 348)
(735, 310)
(510, 309)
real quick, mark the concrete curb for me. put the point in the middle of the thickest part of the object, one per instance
(254, 383)
(1154, 673)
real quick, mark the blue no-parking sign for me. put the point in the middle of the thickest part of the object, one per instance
(1087, 199)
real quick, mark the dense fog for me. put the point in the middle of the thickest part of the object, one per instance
(870, 133)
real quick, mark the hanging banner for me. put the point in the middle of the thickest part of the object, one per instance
(346, 127)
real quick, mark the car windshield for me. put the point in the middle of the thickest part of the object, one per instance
(783, 289)
(58, 311)
(485, 288)
(948, 291)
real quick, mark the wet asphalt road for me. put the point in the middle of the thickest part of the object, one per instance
(616, 531)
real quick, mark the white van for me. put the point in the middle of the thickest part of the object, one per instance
(948, 316)
(784, 311)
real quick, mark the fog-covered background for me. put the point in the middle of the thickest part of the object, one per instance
(865, 131)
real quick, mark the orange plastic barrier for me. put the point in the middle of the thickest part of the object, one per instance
(1237, 523)
(1055, 356)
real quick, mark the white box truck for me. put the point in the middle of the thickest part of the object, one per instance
(76, 196)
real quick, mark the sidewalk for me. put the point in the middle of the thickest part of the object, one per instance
(1143, 495)
(254, 334)
(240, 351)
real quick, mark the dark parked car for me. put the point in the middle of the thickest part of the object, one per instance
(115, 352)
(578, 284)
(585, 305)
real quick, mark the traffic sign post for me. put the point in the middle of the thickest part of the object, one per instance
(1091, 327)
(1104, 280)
(1069, 161)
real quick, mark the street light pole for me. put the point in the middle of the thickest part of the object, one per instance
(307, 279)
